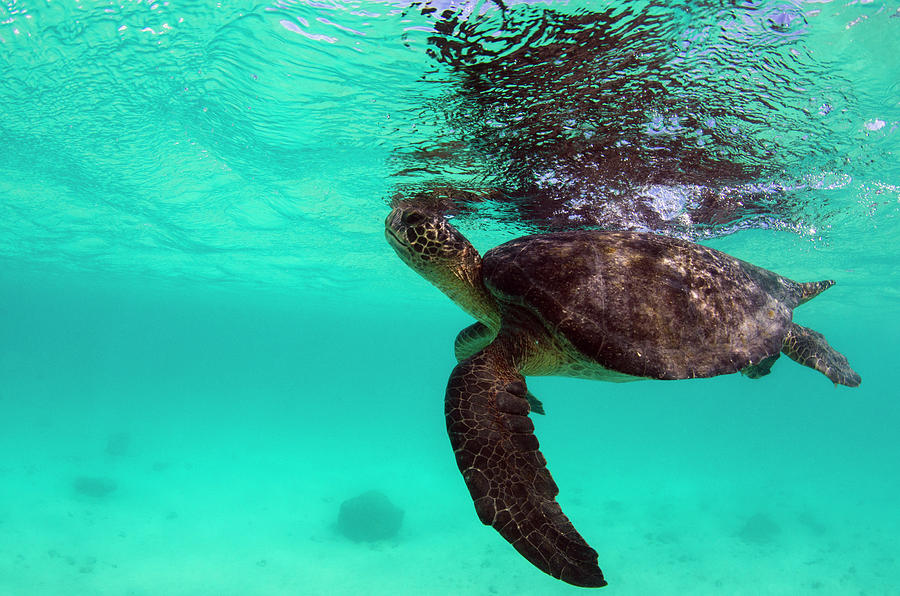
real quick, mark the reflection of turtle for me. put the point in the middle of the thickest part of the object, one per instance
(615, 306)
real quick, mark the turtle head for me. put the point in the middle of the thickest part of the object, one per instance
(428, 243)
(433, 248)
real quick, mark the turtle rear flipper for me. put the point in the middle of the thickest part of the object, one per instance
(809, 348)
(507, 477)
(761, 368)
(811, 289)
(537, 406)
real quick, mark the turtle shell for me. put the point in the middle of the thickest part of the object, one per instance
(643, 304)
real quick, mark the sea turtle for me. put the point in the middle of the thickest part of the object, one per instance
(615, 306)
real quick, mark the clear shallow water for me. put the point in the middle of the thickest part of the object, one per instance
(198, 304)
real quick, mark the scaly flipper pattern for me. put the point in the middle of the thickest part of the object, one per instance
(809, 348)
(506, 474)
(811, 289)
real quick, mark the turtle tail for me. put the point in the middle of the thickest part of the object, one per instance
(811, 289)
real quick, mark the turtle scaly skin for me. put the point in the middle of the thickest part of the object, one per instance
(614, 306)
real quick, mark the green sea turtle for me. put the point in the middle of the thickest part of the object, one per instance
(615, 306)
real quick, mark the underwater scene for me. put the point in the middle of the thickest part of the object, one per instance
(222, 374)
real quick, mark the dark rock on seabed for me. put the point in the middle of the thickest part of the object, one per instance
(369, 517)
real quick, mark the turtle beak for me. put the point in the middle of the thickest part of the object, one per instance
(393, 218)
(391, 224)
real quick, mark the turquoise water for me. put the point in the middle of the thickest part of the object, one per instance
(206, 346)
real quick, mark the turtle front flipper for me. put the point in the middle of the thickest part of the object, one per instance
(809, 348)
(497, 453)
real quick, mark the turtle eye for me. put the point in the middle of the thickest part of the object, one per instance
(413, 219)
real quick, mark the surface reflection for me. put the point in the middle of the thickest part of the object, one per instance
(674, 117)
